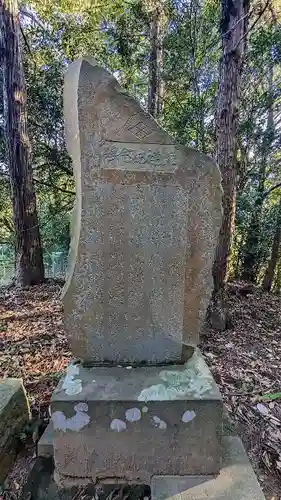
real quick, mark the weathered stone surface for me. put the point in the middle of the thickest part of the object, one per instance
(45, 443)
(134, 423)
(236, 481)
(14, 413)
(41, 486)
(144, 231)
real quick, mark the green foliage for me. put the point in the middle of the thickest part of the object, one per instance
(271, 397)
(191, 73)
(6, 223)
(117, 35)
(55, 225)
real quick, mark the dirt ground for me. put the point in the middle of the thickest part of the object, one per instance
(245, 361)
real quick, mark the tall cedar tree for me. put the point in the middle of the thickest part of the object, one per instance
(29, 259)
(155, 84)
(252, 247)
(233, 34)
(271, 267)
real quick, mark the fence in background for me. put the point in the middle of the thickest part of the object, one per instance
(55, 264)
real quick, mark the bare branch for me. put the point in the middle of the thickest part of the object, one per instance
(25, 40)
(31, 16)
(56, 188)
(271, 189)
(253, 25)
(213, 44)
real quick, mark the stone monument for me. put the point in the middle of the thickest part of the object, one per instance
(146, 222)
(139, 401)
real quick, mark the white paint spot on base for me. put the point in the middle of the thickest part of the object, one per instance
(133, 414)
(72, 369)
(118, 425)
(72, 385)
(188, 416)
(81, 407)
(74, 423)
(144, 409)
(159, 423)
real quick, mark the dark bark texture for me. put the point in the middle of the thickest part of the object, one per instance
(271, 267)
(233, 28)
(156, 85)
(251, 250)
(29, 265)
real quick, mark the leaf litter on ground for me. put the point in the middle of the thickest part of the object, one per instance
(245, 361)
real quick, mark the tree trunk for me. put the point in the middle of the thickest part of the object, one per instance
(270, 271)
(251, 251)
(277, 280)
(233, 27)
(30, 269)
(156, 85)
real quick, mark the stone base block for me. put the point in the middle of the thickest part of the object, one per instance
(14, 413)
(132, 423)
(45, 443)
(236, 481)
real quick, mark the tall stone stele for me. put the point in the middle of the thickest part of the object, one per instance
(146, 221)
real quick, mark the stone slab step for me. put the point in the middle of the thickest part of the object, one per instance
(45, 443)
(236, 481)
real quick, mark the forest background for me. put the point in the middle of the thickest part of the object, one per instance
(208, 71)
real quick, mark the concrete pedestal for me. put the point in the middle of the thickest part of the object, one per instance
(236, 481)
(133, 423)
(14, 414)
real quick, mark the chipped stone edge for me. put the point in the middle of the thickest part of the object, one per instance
(72, 133)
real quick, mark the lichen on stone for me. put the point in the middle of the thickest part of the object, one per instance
(72, 385)
(74, 423)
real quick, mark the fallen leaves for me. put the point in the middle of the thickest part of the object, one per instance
(262, 409)
(32, 341)
(246, 363)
